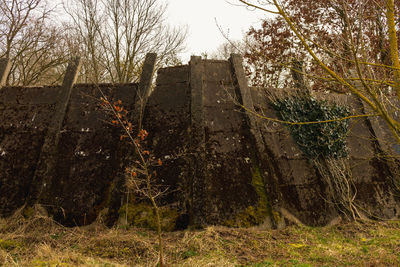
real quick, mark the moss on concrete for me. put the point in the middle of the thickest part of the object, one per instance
(143, 215)
(28, 211)
(256, 214)
(276, 216)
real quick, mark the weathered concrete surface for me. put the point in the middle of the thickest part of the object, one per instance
(197, 141)
(372, 171)
(25, 117)
(222, 164)
(167, 120)
(58, 148)
(299, 189)
(229, 159)
(86, 155)
(201, 136)
(375, 164)
(45, 167)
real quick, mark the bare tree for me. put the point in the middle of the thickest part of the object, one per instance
(117, 34)
(85, 19)
(35, 47)
(227, 48)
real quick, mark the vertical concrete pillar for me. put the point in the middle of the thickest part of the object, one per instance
(71, 75)
(144, 87)
(380, 130)
(247, 101)
(137, 106)
(48, 156)
(5, 66)
(298, 78)
(197, 142)
(387, 147)
(263, 157)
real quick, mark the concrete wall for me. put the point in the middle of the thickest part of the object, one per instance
(59, 150)
(219, 146)
(222, 164)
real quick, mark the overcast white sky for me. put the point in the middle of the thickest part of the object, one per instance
(201, 18)
(201, 15)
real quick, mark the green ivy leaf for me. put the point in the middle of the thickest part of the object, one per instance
(315, 140)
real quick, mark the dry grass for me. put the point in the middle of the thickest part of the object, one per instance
(42, 242)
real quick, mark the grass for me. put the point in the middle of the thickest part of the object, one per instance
(40, 241)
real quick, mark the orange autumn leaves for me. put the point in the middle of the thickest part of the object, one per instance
(121, 119)
(119, 111)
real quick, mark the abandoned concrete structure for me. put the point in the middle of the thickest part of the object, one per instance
(223, 164)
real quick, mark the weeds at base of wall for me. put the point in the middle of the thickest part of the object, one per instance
(141, 215)
(40, 241)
